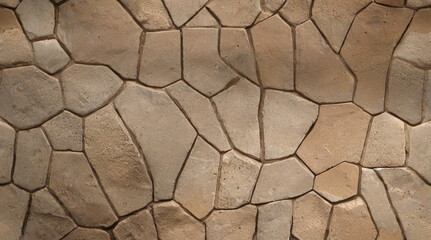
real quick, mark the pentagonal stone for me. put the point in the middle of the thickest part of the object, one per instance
(100, 32)
(182, 11)
(37, 17)
(274, 220)
(420, 150)
(49, 55)
(418, 3)
(88, 87)
(203, 19)
(32, 159)
(20, 104)
(138, 226)
(268, 187)
(65, 131)
(125, 179)
(158, 125)
(86, 234)
(151, 13)
(235, 13)
(296, 11)
(74, 183)
(7, 142)
(13, 208)
(9, 3)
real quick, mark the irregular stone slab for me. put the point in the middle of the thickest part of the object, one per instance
(20, 104)
(418, 3)
(87, 87)
(272, 5)
(240, 13)
(86, 234)
(334, 18)
(99, 35)
(338, 183)
(296, 11)
(9, 3)
(196, 187)
(151, 13)
(174, 223)
(161, 58)
(236, 224)
(351, 220)
(47, 219)
(386, 143)
(137, 226)
(182, 11)
(319, 71)
(158, 125)
(65, 131)
(203, 68)
(238, 109)
(37, 17)
(236, 50)
(125, 179)
(7, 142)
(286, 120)
(420, 150)
(338, 136)
(275, 66)
(72, 180)
(405, 90)
(32, 159)
(201, 114)
(411, 198)
(394, 3)
(310, 216)
(268, 187)
(49, 55)
(238, 176)
(203, 19)
(15, 47)
(368, 49)
(374, 193)
(13, 207)
(427, 98)
(274, 220)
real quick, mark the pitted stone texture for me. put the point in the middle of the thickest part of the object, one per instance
(368, 49)
(117, 161)
(236, 224)
(182, 11)
(374, 193)
(235, 13)
(405, 90)
(386, 143)
(286, 120)
(338, 183)
(284, 179)
(49, 55)
(88, 87)
(418, 3)
(32, 159)
(15, 48)
(7, 143)
(100, 32)
(162, 131)
(65, 131)
(37, 17)
(394, 3)
(296, 11)
(9, 3)
(238, 109)
(151, 13)
(272, 5)
(203, 68)
(201, 114)
(198, 180)
(20, 104)
(13, 208)
(203, 19)
(87, 234)
(338, 136)
(138, 226)
(310, 216)
(351, 220)
(161, 58)
(174, 223)
(411, 198)
(273, 44)
(420, 150)
(47, 219)
(72, 180)
(274, 220)
(319, 71)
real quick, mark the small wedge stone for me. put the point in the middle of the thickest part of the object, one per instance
(7, 143)
(138, 226)
(151, 13)
(274, 220)
(235, 13)
(65, 131)
(182, 10)
(37, 17)
(87, 234)
(49, 55)
(296, 11)
(13, 208)
(203, 19)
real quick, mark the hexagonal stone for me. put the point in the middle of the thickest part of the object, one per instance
(7, 142)
(138, 226)
(203, 19)
(296, 11)
(368, 49)
(13, 208)
(9, 3)
(158, 125)
(338, 136)
(236, 224)
(338, 183)
(151, 13)
(420, 150)
(125, 179)
(86, 234)
(37, 17)
(74, 183)
(65, 131)
(274, 220)
(103, 35)
(418, 3)
(239, 13)
(351, 220)
(32, 159)
(87, 87)
(394, 3)
(182, 11)
(174, 223)
(49, 55)
(20, 104)
(275, 67)
(386, 143)
(283, 179)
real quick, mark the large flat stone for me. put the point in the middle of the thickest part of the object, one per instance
(7, 143)
(420, 150)
(138, 226)
(37, 17)
(427, 98)
(13, 208)
(238, 13)
(274, 220)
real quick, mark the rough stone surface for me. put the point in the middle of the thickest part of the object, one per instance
(13, 207)
(182, 11)
(418, 3)
(202, 19)
(274, 220)
(10, 3)
(296, 11)
(37, 17)
(394, 3)
(87, 234)
(64, 131)
(420, 150)
(151, 13)
(7, 143)
(238, 13)
(427, 98)
(49, 55)
(138, 226)
(272, 5)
